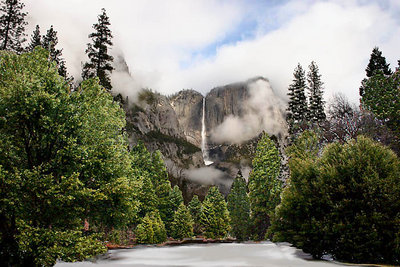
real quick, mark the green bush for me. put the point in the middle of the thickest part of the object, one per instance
(344, 203)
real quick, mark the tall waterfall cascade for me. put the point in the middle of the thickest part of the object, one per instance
(204, 147)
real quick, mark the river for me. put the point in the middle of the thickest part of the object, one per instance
(209, 255)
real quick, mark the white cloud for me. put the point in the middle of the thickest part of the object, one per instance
(262, 111)
(157, 36)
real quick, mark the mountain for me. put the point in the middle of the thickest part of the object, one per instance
(234, 117)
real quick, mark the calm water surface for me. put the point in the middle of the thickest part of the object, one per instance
(210, 255)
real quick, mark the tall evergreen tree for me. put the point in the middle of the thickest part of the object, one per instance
(99, 60)
(175, 200)
(297, 108)
(215, 215)
(377, 63)
(194, 207)
(49, 42)
(182, 225)
(316, 103)
(239, 208)
(264, 186)
(12, 25)
(35, 39)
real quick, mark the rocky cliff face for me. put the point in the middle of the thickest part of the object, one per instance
(224, 101)
(188, 107)
(173, 125)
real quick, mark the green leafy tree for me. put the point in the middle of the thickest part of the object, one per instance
(36, 39)
(344, 203)
(195, 207)
(49, 42)
(60, 151)
(316, 103)
(215, 215)
(297, 111)
(239, 208)
(264, 186)
(99, 59)
(12, 25)
(182, 225)
(151, 230)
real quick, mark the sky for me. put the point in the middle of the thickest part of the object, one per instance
(171, 45)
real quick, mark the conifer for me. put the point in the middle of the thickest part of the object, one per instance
(264, 186)
(12, 25)
(215, 215)
(239, 208)
(35, 39)
(195, 207)
(182, 225)
(316, 103)
(99, 59)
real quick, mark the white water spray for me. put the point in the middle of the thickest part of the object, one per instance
(204, 147)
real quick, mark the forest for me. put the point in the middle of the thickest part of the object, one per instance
(71, 184)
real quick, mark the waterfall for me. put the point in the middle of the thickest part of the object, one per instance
(204, 147)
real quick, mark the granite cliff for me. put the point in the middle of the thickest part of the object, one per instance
(174, 126)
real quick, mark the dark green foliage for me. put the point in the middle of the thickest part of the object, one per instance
(175, 199)
(214, 215)
(297, 110)
(264, 186)
(35, 39)
(377, 63)
(182, 225)
(344, 203)
(151, 230)
(49, 42)
(146, 197)
(12, 25)
(195, 207)
(239, 208)
(316, 113)
(382, 97)
(99, 60)
(59, 151)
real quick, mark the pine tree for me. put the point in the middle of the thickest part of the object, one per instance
(146, 196)
(215, 215)
(194, 207)
(377, 63)
(316, 104)
(239, 208)
(12, 25)
(297, 108)
(175, 199)
(99, 60)
(50, 41)
(264, 186)
(182, 225)
(151, 230)
(35, 39)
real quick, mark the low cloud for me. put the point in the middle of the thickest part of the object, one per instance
(263, 111)
(207, 176)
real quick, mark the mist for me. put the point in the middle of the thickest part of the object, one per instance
(263, 111)
(208, 176)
